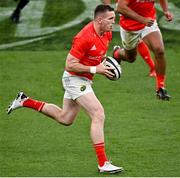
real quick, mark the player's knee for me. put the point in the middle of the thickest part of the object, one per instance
(65, 120)
(159, 51)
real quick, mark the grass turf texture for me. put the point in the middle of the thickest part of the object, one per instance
(142, 133)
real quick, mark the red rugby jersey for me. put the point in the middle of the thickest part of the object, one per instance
(89, 47)
(144, 8)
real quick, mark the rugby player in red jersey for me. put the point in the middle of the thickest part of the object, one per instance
(138, 21)
(143, 50)
(83, 61)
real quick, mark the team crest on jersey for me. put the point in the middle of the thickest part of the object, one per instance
(83, 88)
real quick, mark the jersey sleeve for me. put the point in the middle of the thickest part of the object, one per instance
(79, 47)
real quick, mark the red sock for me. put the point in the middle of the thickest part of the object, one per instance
(116, 54)
(145, 54)
(34, 104)
(100, 153)
(160, 79)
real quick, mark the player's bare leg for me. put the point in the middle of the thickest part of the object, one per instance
(96, 112)
(125, 55)
(155, 42)
(130, 55)
(67, 115)
(64, 116)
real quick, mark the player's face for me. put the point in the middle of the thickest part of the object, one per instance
(108, 19)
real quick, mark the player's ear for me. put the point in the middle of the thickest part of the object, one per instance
(99, 19)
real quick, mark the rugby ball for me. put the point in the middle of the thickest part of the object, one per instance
(111, 62)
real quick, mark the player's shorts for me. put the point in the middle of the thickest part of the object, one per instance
(75, 86)
(130, 39)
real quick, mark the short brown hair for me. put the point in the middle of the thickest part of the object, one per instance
(101, 9)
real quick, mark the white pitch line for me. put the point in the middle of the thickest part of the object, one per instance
(31, 20)
(34, 12)
(88, 12)
(24, 42)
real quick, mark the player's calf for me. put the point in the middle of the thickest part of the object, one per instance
(122, 54)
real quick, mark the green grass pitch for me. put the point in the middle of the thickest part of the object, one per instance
(142, 133)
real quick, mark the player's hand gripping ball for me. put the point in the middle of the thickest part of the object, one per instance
(111, 62)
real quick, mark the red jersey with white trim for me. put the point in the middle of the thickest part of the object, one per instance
(145, 8)
(90, 48)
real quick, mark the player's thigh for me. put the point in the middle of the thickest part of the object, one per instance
(154, 41)
(70, 108)
(92, 105)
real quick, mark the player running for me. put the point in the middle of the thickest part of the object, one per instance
(138, 21)
(83, 61)
(143, 50)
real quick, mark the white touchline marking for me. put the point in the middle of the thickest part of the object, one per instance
(31, 19)
(31, 25)
(88, 12)
(24, 42)
(5, 12)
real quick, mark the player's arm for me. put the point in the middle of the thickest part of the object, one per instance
(73, 65)
(167, 13)
(122, 8)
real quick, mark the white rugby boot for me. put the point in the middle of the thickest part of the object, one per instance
(109, 168)
(18, 102)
